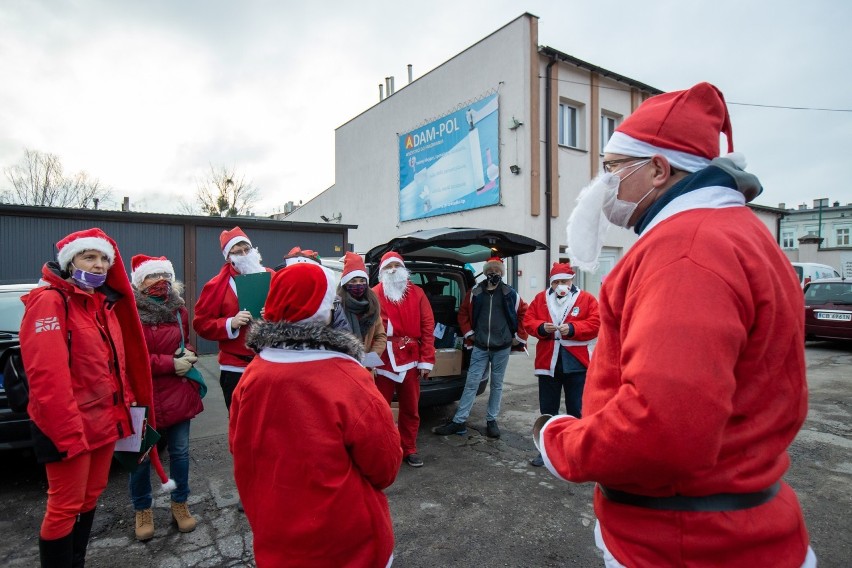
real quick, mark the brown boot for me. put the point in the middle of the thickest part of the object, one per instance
(185, 520)
(144, 524)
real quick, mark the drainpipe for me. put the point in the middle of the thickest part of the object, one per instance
(548, 178)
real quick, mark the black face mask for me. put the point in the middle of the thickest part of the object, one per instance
(493, 279)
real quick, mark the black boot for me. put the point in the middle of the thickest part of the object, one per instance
(82, 529)
(55, 553)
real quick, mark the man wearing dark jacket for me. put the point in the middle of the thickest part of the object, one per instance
(489, 319)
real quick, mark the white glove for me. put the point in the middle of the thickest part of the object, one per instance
(186, 354)
(182, 365)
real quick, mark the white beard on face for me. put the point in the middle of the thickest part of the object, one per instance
(587, 224)
(249, 263)
(394, 284)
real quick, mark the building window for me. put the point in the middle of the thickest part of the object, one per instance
(788, 240)
(608, 124)
(843, 237)
(569, 125)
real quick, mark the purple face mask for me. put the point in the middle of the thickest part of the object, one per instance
(88, 280)
(356, 290)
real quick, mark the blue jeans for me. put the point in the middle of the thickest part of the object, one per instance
(479, 360)
(177, 437)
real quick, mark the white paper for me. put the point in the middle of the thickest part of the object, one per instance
(372, 360)
(439, 330)
(133, 442)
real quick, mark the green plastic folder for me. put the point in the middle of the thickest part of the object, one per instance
(252, 290)
(130, 460)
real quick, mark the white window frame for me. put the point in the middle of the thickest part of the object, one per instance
(846, 239)
(574, 137)
(788, 239)
(609, 122)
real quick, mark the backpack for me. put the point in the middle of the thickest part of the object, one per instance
(15, 376)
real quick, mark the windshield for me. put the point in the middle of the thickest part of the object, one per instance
(829, 293)
(11, 310)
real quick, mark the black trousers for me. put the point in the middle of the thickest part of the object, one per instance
(550, 392)
(228, 381)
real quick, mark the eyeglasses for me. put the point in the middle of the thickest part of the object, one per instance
(159, 276)
(241, 251)
(608, 165)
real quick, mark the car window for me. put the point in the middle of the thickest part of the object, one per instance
(11, 310)
(799, 271)
(829, 292)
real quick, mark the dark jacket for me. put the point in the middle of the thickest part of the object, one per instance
(506, 303)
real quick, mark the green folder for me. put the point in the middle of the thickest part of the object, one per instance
(252, 290)
(131, 459)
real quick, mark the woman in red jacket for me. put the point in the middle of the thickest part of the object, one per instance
(178, 386)
(86, 362)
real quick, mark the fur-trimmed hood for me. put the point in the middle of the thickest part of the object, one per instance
(152, 312)
(302, 337)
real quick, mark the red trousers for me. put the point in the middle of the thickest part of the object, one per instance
(408, 396)
(73, 487)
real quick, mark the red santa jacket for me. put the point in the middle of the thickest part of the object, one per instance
(176, 398)
(580, 310)
(85, 405)
(697, 388)
(314, 444)
(410, 326)
(215, 307)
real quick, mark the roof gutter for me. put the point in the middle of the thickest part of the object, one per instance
(548, 176)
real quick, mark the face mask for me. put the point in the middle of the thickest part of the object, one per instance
(159, 289)
(88, 280)
(494, 279)
(356, 290)
(562, 290)
(618, 211)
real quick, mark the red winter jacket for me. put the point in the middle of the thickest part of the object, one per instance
(83, 405)
(176, 398)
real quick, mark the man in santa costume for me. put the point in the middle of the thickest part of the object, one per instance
(314, 443)
(218, 316)
(697, 384)
(565, 320)
(410, 353)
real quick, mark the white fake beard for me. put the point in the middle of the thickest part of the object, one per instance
(394, 284)
(250, 263)
(587, 225)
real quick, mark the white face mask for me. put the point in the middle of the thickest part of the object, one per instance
(618, 211)
(562, 290)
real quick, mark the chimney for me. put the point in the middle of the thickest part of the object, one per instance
(782, 206)
(95, 200)
(392, 88)
(410, 73)
(125, 205)
(381, 92)
(387, 87)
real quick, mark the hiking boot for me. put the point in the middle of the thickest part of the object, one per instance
(144, 524)
(185, 521)
(537, 461)
(414, 460)
(451, 428)
(491, 429)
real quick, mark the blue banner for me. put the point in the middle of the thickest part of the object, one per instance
(451, 164)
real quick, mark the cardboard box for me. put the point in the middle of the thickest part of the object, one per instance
(448, 362)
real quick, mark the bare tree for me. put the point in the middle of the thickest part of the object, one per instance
(38, 179)
(221, 193)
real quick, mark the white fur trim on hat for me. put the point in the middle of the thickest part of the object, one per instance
(328, 298)
(232, 242)
(297, 259)
(149, 267)
(354, 274)
(621, 143)
(392, 258)
(67, 253)
(564, 276)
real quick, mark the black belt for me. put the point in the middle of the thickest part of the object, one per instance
(708, 503)
(245, 358)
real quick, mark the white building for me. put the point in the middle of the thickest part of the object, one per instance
(526, 125)
(826, 231)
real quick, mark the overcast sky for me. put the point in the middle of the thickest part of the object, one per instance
(145, 95)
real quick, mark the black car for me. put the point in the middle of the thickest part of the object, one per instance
(441, 261)
(828, 309)
(14, 426)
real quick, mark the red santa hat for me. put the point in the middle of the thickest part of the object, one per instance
(137, 364)
(683, 126)
(494, 263)
(229, 238)
(302, 292)
(144, 266)
(561, 271)
(297, 254)
(390, 256)
(353, 267)
(90, 239)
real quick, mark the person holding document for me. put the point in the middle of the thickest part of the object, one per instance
(313, 441)
(85, 358)
(177, 390)
(361, 305)
(218, 313)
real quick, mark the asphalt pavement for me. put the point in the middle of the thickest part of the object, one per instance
(476, 501)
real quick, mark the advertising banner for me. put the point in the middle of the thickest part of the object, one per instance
(450, 164)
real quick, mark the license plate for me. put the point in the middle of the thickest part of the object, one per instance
(833, 316)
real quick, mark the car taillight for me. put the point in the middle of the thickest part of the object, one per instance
(807, 279)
